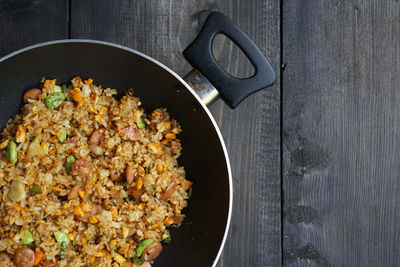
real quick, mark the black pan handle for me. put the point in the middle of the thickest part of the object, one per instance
(200, 56)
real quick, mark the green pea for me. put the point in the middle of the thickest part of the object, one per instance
(62, 137)
(141, 124)
(138, 261)
(68, 162)
(27, 237)
(142, 246)
(35, 190)
(168, 239)
(12, 152)
(54, 100)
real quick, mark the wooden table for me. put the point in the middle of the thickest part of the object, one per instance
(314, 157)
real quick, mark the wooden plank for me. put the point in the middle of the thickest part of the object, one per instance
(252, 132)
(26, 22)
(341, 133)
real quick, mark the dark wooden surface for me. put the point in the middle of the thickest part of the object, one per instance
(341, 133)
(162, 29)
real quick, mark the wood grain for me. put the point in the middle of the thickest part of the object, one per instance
(341, 122)
(26, 22)
(252, 132)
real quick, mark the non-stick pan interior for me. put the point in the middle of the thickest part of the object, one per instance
(197, 241)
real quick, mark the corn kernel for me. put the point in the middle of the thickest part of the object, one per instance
(113, 243)
(56, 188)
(59, 213)
(139, 183)
(124, 249)
(93, 219)
(140, 206)
(114, 211)
(89, 81)
(77, 96)
(78, 211)
(170, 136)
(187, 185)
(17, 207)
(140, 171)
(91, 259)
(168, 221)
(81, 193)
(160, 167)
(91, 109)
(71, 236)
(98, 118)
(156, 113)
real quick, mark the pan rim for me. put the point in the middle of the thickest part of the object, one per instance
(180, 79)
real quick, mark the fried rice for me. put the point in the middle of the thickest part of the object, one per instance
(98, 172)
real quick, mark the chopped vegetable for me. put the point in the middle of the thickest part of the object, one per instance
(20, 135)
(35, 190)
(36, 140)
(57, 89)
(54, 100)
(124, 184)
(119, 258)
(63, 239)
(63, 87)
(73, 122)
(168, 239)
(141, 124)
(142, 246)
(78, 211)
(170, 136)
(27, 237)
(76, 95)
(62, 137)
(138, 261)
(63, 249)
(68, 162)
(12, 152)
(16, 191)
(38, 257)
(146, 170)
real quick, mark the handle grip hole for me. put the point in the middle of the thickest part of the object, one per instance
(224, 51)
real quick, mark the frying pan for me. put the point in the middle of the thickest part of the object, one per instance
(199, 241)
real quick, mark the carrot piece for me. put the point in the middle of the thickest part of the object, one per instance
(38, 257)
